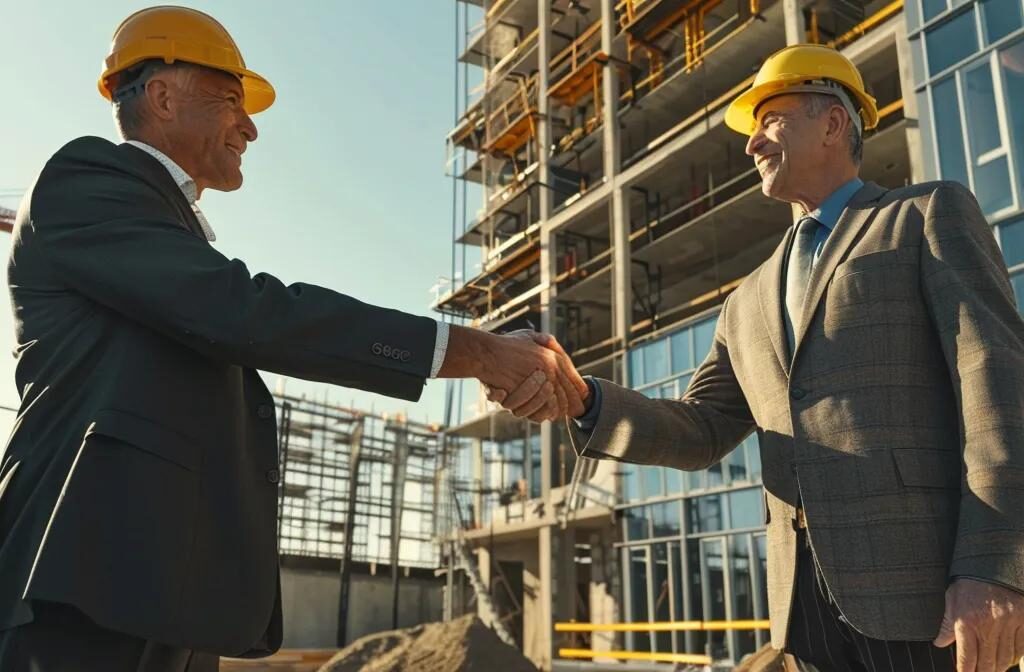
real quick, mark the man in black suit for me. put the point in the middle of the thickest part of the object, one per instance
(138, 489)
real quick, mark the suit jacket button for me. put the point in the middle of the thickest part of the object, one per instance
(797, 393)
(273, 476)
(265, 411)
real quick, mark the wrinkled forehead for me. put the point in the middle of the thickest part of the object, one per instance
(782, 103)
(218, 81)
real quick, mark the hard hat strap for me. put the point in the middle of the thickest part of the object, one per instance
(137, 86)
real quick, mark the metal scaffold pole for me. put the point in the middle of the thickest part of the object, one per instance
(346, 557)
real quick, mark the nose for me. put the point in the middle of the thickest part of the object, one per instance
(246, 127)
(755, 142)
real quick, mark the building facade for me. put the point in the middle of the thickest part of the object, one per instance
(607, 203)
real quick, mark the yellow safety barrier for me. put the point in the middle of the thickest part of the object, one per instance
(666, 626)
(689, 658)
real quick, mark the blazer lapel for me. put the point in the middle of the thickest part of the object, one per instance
(858, 212)
(769, 295)
(154, 172)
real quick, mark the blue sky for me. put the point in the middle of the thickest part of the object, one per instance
(345, 187)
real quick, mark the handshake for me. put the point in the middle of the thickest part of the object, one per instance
(526, 372)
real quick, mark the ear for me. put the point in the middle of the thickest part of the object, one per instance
(159, 97)
(838, 124)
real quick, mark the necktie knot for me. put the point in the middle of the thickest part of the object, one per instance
(807, 226)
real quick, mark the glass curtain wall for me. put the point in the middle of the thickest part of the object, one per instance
(693, 543)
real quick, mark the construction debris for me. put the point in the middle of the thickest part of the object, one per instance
(765, 659)
(462, 645)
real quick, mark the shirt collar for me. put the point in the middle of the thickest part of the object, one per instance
(181, 178)
(829, 211)
(184, 182)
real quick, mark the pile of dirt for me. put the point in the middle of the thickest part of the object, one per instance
(462, 645)
(765, 659)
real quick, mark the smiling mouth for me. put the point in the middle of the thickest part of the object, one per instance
(766, 161)
(235, 150)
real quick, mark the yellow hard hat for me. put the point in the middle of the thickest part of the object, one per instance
(801, 68)
(182, 34)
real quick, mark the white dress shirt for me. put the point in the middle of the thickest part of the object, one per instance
(188, 188)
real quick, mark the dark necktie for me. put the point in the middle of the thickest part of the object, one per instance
(801, 261)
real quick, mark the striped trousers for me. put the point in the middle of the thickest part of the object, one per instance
(820, 639)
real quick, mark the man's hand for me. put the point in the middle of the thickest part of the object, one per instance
(987, 623)
(522, 398)
(533, 373)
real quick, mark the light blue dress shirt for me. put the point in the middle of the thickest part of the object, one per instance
(827, 214)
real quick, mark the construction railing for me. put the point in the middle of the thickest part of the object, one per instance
(654, 657)
(859, 30)
(512, 123)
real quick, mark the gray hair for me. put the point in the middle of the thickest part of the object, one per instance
(129, 86)
(816, 104)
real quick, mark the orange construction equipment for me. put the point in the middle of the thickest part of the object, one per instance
(181, 34)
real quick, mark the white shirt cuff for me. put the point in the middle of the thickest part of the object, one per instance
(440, 348)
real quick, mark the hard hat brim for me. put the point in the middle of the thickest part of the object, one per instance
(739, 116)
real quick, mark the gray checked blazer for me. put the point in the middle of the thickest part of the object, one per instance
(899, 423)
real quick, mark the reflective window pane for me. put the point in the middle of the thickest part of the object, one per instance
(636, 523)
(630, 481)
(703, 335)
(682, 351)
(673, 481)
(636, 367)
(715, 475)
(742, 592)
(951, 42)
(992, 186)
(695, 480)
(695, 641)
(1000, 18)
(1018, 290)
(912, 11)
(656, 361)
(714, 593)
(650, 482)
(1011, 62)
(666, 519)
(932, 8)
(761, 546)
(662, 595)
(917, 54)
(684, 382)
(638, 596)
(980, 106)
(745, 508)
(668, 391)
(948, 132)
(652, 392)
(706, 514)
(753, 457)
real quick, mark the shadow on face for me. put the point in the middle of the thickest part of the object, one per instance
(787, 146)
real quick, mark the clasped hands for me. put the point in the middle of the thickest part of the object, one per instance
(534, 378)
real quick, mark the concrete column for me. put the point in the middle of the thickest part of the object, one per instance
(910, 111)
(622, 295)
(477, 518)
(544, 625)
(796, 27)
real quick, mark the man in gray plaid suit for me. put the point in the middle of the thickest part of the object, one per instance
(879, 356)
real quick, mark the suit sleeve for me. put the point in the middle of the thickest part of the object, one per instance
(691, 433)
(113, 238)
(971, 303)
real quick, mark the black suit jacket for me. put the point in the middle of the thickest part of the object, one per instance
(140, 481)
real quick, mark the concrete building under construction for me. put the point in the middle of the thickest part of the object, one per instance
(608, 204)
